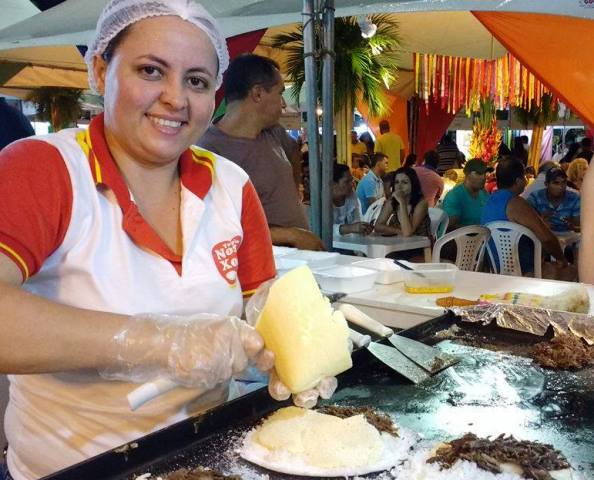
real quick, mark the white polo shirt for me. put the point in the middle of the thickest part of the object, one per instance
(70, 224)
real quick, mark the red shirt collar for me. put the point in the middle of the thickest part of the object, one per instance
(196, 168)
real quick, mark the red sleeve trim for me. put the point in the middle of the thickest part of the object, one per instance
(256, 263)
(36, 203)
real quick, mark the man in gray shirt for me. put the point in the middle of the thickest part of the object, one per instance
(250, 136)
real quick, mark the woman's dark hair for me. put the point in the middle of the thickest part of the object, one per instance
(249, 70)
(410, 160)
(339, 171)
(416, 194)
(107, 54)
(508, 171)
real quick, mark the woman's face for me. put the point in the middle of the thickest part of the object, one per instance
(402, 184)
(159, 89)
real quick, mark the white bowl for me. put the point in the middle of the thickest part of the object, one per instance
(345, 278)
(284, 265)
(388, 271)
(313, 258)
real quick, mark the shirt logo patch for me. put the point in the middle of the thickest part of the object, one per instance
(225, 256)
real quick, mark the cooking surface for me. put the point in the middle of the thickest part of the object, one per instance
(489, 392)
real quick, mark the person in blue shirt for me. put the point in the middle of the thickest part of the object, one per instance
(371, 187)
(14, 125)
(506, 204)
(558, 206)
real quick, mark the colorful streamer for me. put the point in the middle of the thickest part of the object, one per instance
(458, 82)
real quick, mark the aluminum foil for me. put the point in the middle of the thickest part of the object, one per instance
(530, 319)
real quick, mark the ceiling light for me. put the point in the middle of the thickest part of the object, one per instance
(368, 28)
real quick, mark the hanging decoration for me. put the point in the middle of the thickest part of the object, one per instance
(486, 138)
(458, 82)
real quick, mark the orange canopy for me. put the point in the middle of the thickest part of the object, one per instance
(397, 117)
(557, 49)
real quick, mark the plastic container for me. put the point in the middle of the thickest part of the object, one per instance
(345, 278)
(388, 271)
(314, 259)
(430, 278)
(284, 265)
(282, 251)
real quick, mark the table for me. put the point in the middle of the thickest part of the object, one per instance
(392, 306)
(378, 246)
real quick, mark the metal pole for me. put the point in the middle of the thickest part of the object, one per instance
(309, 47)
(327, 121)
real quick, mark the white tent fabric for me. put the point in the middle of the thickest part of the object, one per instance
(73, 21)
(14, 11)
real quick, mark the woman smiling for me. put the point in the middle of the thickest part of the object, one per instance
(99, 226)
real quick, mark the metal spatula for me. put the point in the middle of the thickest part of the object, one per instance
(390, 357)
(430, 359)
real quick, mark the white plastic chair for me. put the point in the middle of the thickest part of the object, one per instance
(439, 222)
(505, 238)
(370, 216)
(470, 246)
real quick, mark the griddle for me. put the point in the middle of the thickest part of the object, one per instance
(491, 391)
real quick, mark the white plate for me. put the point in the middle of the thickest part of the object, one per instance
(345, 278)
(395, 451)
(389, 272)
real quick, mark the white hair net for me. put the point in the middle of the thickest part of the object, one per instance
(119, 14)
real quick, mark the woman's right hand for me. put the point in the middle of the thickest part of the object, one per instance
(200, 351)
(399, 196)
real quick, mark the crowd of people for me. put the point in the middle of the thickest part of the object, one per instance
(471, 193)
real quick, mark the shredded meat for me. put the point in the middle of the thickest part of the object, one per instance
(381, 421)
(535, 459)
(200, 474)
(564, 352)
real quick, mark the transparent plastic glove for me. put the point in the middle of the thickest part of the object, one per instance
(199, 351)
(307, 399)
(277, 389)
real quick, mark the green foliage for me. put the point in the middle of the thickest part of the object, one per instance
(538, 116)
(364, 66)
(57, 105)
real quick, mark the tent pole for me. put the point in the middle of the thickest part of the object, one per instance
(327, 122)
(309, 46)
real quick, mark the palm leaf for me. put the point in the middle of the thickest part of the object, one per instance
(363, 67)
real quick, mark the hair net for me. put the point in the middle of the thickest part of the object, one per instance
(118, 14)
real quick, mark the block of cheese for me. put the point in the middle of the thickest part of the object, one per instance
(308, 338)
(321, 440)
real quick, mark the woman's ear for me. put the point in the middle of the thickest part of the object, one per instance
(99, 71)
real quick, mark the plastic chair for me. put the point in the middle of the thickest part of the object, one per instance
(505, 238)
(439, 221)
(370, 216)
(470, 246)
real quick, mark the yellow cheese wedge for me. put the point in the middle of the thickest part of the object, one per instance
(321, 440)
(308, 338)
